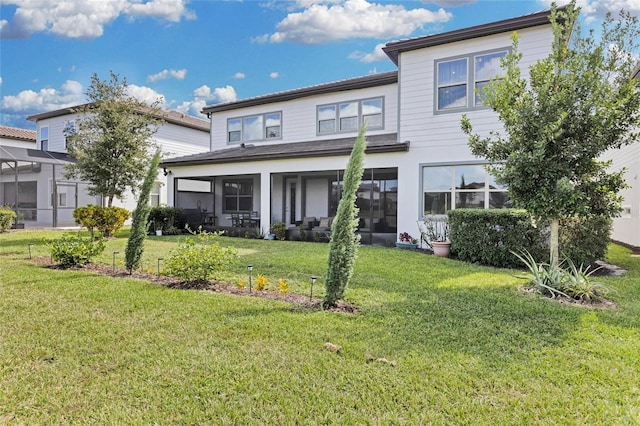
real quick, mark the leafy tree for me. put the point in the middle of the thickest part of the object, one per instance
(344, 241)
(139, 225)
(579, 102)
(112, 142)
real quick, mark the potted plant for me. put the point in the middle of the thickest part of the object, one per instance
(434, 232)
(407, 242)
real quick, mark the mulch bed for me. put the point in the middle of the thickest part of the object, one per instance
(219, 287)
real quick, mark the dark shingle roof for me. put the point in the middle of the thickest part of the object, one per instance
(170, 116)
(316, 148)
(372, 80)
(17, 134)
(394, 49)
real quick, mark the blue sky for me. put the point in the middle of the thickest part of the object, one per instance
(203, 52)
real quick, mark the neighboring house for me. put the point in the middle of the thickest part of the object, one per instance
(21, 138)
(283, 155)
(626, 228)
(33, 181)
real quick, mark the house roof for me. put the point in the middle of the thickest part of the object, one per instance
(317, 148)
(170, 116)
(393, 49)
(636, 72)
(28, 154)
(17, 134)
(372, 80)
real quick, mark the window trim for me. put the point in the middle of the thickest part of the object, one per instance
(487, 191)
(264, 128)
(237, 197)
(470, 81)
(359, 119)
(46, 140)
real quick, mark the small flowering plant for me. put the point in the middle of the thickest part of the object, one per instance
(406, 238)
(261, 282)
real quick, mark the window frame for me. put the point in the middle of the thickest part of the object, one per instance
(238, 196)
(44, 143)
(338, 117)
(470, 80)
(242, 131)
(451, 193)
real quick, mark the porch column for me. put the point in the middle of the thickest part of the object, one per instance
(265, 201)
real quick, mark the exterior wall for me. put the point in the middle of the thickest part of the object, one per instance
(299, 116)
(270, 187)
(436, 138)
(626, 228)
(17, 143)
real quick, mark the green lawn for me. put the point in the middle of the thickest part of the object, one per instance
(470, 348)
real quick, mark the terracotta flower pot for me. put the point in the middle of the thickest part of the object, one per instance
(441, 248)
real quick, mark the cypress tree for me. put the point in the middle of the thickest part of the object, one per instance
(344, 241)
(135, 243)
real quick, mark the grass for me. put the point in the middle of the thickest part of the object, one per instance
(470, 348)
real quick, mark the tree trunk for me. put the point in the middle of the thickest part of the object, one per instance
(110, 201)
(553, 244)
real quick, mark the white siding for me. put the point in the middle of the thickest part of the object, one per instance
(626, 228)
(299, 116)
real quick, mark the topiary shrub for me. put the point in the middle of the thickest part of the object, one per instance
(489, 236)
(107, 220)
(7, 216)
(74, 250)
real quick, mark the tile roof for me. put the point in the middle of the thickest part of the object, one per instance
(316, 148)
(18, 134)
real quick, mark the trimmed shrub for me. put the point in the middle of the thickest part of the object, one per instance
(7, 217)
(584, 240)
(107, 220)
(280, 230)
(489, 236)
(165, 218)
(74, 250)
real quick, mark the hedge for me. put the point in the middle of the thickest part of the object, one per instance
(489, 236)
(7, 217)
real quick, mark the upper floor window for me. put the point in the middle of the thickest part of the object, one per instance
(348, 116)
(459, 81)
(44, 138)
(255, 127)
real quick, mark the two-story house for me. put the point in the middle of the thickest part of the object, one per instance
(33, 179)
(283, 155)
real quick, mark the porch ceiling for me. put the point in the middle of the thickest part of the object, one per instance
(316, 148)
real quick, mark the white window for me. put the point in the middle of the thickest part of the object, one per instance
(255, 127)
(154, 196)
(461, 186)
(44, 138)
(460, 81)
(350, 115)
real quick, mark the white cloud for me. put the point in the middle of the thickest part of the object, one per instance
(0, 81)
(47, 99)
(81, 18)
(239, 76)
(449, 3)
(321, 22)
(377, 55)
(274, 75)
(597, 9)
(146, 94)
(203, 96)
(165, 74)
